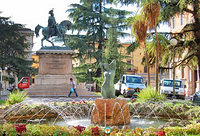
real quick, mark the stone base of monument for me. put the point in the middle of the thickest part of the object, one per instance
(111, 112)
(55, 71)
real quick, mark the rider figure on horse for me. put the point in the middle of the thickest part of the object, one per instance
(52, 24)
(53, 29)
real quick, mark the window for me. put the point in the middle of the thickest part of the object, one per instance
(123, 79)
(132, 79)
(129, 62)
(173, 22)
(182, 18)
(145, 69)
(169, 83)
(25, 80)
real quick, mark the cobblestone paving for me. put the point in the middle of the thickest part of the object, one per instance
(58, 99)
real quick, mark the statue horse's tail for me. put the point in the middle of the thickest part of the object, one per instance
(37, 29)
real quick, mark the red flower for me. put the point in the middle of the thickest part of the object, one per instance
(95, 131)
(161, 133)
(22, 105)
(83, 101)
(20, 128)
(80, 102)
(73, 102)
(80, 128)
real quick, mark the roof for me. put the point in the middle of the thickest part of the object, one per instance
(26, 30)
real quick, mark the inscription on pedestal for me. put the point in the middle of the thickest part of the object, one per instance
(56, 64)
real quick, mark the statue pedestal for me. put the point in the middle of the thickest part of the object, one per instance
(55, 71)
(111, 112)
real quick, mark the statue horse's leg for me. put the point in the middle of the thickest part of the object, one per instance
(47, 39)
(42, 41)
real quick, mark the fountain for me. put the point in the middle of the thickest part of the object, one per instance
(82, 112)
(107, 111)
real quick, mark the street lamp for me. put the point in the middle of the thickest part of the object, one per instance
(1, 75)
(173, 42)
(90, 70)
(1, 84)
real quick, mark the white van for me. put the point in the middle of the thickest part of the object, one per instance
(128, 85)
(166, 87)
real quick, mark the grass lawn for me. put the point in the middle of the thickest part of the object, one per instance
(2, 102)
(97, 93)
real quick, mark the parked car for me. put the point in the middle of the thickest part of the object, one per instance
(128, 85)
(196, 98)
(24, 83)
(166, 87)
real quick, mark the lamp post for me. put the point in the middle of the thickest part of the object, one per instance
(173, 42)
(90, 70)
(1, 84)
(1, 75)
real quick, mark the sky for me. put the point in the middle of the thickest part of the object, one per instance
(34, 12)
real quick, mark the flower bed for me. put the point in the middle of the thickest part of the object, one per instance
(45, 130)
(25, 111)
(165, 110)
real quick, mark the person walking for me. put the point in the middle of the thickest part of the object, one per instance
(73, 88)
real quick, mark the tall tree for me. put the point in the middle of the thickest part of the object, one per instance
(113, 46)
(139, 30)
(93, 18)
(191, 32)
(13, 46)
(151, 12)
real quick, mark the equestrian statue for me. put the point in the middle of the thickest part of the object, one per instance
(53, 29)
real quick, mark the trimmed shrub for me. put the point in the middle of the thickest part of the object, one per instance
(16, 97)
(149, 94)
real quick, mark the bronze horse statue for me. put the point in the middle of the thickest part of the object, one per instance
(59, 31)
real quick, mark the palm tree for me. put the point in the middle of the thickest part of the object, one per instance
(139, 31)
(151, 11)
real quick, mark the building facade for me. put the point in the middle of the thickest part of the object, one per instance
(186, 73)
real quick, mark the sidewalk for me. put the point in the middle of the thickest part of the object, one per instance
(86, 95)
(4, 95)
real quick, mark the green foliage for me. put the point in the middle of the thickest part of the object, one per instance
(132, 47)
(13, 48)
(45, 130)
(1, 130)
(95, 19)
(16, 97)
(149, 94)
(34, 130)
(2, 102)
(9, 129)
(188, 49)
(59, 133)
(112, 53)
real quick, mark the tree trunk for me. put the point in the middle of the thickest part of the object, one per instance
(100, 42)
(198, 59)
(148, 67)
(157, 57)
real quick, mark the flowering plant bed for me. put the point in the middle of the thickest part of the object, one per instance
(45, 130)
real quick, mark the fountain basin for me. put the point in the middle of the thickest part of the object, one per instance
(111, 112)
(134, 122)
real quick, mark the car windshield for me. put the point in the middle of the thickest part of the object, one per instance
(169, 83)
(132, 79)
